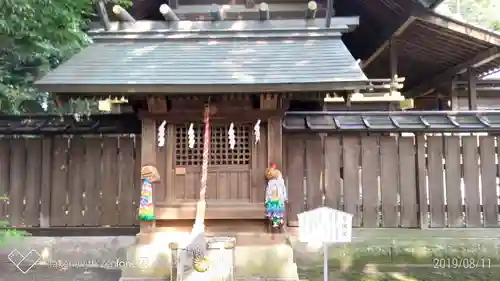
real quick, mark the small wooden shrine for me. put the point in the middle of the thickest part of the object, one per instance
(244, 74)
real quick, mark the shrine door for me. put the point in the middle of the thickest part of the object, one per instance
(232, 191)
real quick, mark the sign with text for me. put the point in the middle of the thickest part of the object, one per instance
(325, 225)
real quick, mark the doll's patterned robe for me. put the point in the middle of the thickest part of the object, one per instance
(276, 196)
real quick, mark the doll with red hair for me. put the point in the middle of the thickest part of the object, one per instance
(276, 196)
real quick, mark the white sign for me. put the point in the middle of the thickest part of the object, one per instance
(325, 225)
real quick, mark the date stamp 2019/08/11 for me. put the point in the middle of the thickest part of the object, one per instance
(461, 263)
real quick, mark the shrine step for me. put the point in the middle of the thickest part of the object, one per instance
(267, 257)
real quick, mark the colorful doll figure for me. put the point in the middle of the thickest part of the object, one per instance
(146, 208)
(276, 196)
(149, 174)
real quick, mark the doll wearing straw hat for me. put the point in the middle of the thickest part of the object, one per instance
(276, 196)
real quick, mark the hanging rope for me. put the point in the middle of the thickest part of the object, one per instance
(198, 243)
(206, 152)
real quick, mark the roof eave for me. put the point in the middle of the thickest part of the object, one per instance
(140, 89)
(341, 24)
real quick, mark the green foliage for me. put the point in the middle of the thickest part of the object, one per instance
(481, 12)
(9, 235)
(36, 36)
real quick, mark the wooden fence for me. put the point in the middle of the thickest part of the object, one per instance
(57, 181)
(385, 181)
(396, 181)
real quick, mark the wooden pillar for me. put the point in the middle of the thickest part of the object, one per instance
(471, 89)
(148, 148)
(275, 141)
(453, 96)
(274, 128)
(148, 157)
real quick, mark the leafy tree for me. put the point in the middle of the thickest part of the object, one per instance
(481, 12)
(36, 36)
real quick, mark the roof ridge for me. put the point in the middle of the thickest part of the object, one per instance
(341, 24)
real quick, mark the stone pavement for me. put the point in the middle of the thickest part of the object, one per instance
(64, 258)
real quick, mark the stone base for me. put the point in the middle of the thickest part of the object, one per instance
(270, 261)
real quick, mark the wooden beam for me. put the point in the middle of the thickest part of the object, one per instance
(480, 83)
(478, 60)
(236, 210)
(387, 43)
(469, 30)
(157, 104)
(462, 93)
(222, 115)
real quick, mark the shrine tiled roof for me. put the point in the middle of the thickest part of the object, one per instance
(207, 57)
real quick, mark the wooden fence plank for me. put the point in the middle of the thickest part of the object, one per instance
(92, 172)
(453, 174)
(436, 188)
(333, 182)
(471, 182)
(4, 177)
(109, 183)
(126, 178)
(314, 168)
(59, 182)
(488, 181)
(46, 182)
(350, 159)
(408, 182)
(33, 181)
(370, 171)
(17, 182)
(421, 175)
(137, 177)
(389, 181)
(76, 181)
(296, 172)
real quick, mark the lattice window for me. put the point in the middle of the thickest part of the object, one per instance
(220, 153)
